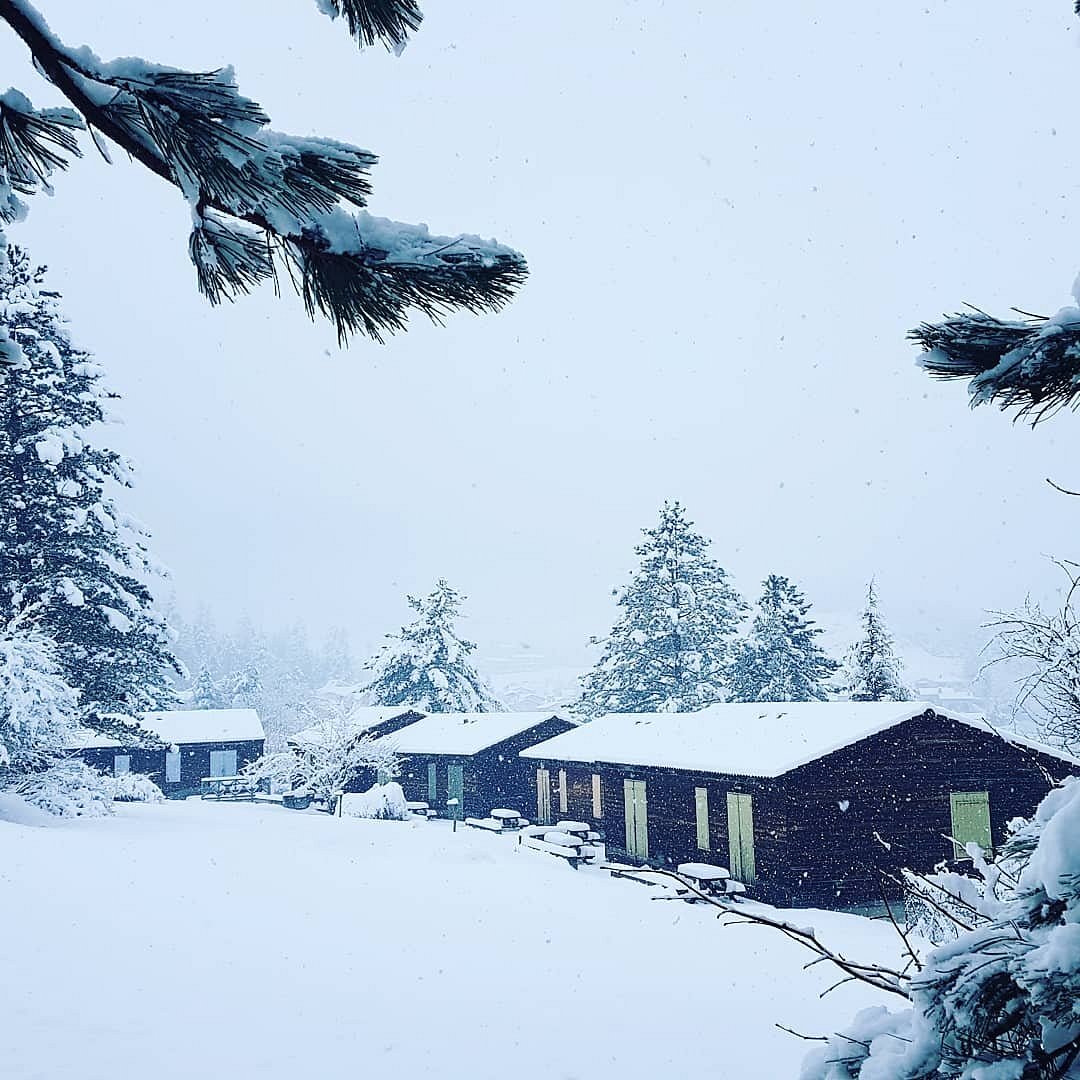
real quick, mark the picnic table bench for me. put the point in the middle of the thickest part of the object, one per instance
(490, 824)
(232, 788)
(556, 841)
(421, 809)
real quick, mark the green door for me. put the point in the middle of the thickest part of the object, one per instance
(637, 818)
(970, 821)
(543, 797)
(432, 785)
(701, 817)
(740, 817)
(455, 789)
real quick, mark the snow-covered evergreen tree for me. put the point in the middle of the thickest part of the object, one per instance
(38, 709)
(670, 649)
(260, 200)
(427, 664)
(205, 693)
(68, 555)
(872, 671)
(780, 660)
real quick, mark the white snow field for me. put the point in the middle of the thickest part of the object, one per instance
(248, 941)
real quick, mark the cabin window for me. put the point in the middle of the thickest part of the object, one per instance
(432, 784)
(172, 767)
(222, 762)
(562, 791)
(597, 800)
(970, 821)
(121, 764)
(701, 815)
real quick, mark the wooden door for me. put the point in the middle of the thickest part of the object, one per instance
(597, 797)
(222, 762)
(455, 789)
(740, 815)
(543, 797)
(636, 804)
(121, 764)
(432, 785)
(970, 821)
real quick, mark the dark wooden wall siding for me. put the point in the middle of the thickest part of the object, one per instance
(896, 787)
(194, 762)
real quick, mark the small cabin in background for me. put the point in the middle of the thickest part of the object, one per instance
(198, 743)
(811, 804)
(365, 722)
(472, 758)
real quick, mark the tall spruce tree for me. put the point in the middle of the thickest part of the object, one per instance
(204, 692)
(72, 564)
(260, 200)
(427, 664)
(780, 660)
(670, 649)
(873, 670)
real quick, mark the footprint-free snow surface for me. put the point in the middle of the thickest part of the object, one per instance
(239, 940)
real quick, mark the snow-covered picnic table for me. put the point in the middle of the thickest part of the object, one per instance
(420, 808)
(556, 840)
(227, 787)
(498, 821)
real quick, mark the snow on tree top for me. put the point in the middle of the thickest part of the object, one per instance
(746, 739)
(464, 733)
(189, 726)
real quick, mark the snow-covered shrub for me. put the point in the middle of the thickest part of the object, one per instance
(133, 787)
(70, 788)
(1000, 1002)
(383, 801)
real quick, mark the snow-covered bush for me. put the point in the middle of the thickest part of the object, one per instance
(70, 788)
(1000, 1002)
(383, 801)
(133, 787)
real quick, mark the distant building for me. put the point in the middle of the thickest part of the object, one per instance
(811, 804)
(472, 759)
(199, 743)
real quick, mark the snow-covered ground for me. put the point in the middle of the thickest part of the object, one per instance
(242, 940)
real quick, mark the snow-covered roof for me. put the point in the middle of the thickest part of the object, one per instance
(356, 722)
(188, 726)
(745, 739)
(463, 733)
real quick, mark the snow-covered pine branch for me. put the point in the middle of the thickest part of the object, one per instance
(257, 198)
(390, 21)
(426, 665)
(670, 649)
(1031, 364)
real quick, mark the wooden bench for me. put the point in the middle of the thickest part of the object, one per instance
(660, 881)
(420, 809)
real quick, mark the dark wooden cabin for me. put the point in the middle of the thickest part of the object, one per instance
(472, 758)
(811, 804)
(199, 743)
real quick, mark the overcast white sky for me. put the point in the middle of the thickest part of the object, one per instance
(732, 214)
